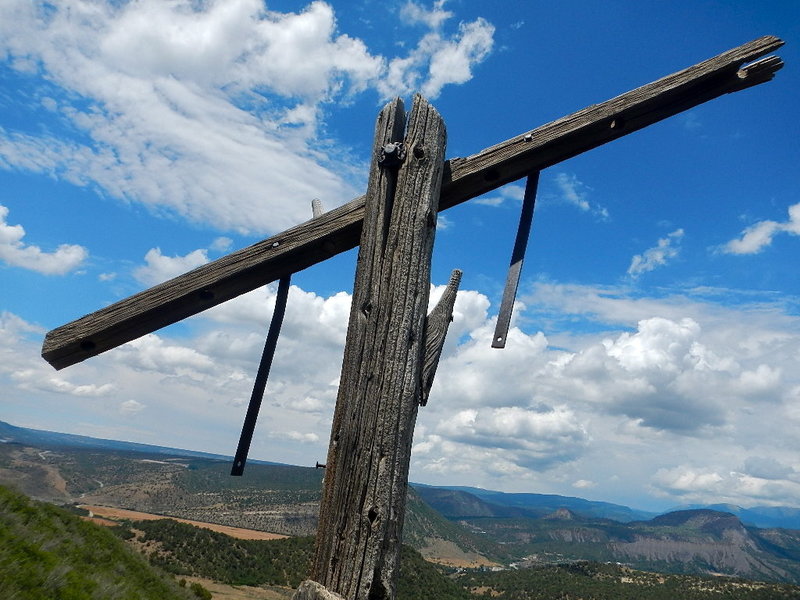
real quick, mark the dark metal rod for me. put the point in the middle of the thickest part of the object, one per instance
(517, 258)
(261, 377)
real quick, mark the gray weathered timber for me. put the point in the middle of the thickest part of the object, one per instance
(436, 326)
(464, 178)
(366, 478)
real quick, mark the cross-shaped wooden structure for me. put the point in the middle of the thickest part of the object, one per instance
(392, 348)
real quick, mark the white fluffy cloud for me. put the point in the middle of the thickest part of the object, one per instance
(152, 353)
(209, 110)
(535, 438)
(413, 13)
(14, 252)
(34, 379)
(662, 375)
(676, 398)
(159, 268)
(438, 60)
(760, 235)
(666, 249)
(613, 404)
(692, 484)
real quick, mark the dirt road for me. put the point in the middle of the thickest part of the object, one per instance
(117, 514)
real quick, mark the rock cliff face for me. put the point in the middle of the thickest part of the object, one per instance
(692, 541)
(701, 539)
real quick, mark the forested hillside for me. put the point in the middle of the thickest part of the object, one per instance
(596, 581)
(186, 550)
(47, 553)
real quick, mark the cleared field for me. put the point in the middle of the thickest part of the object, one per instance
(445, 552)
(117, 514)
(222, 591)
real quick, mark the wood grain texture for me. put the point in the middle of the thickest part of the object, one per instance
(464, 178)
(436, 326)
(366, 478)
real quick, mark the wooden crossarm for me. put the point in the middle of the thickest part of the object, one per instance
(464, 178)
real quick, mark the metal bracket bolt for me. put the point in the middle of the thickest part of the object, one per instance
(392, 154)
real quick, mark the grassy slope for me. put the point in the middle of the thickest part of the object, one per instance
(47, 553)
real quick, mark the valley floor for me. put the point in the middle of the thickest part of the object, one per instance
(110, 516)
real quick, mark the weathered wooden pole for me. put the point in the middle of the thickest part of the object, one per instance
(383, 371)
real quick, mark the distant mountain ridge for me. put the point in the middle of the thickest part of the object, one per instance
(52, 439)
(460, 501)
(450, 525)
(758, 516)
(500, 502)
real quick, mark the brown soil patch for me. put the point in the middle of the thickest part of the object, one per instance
(55, 479)
(481, 591)
(237, 532)
(222, 591)
(101, 521)
(445, 552)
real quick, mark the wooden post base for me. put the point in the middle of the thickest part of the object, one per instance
(311, 590)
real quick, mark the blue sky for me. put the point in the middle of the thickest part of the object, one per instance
(653, 359)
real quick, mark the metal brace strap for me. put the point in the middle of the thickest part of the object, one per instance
(261, 377)
(517, 258)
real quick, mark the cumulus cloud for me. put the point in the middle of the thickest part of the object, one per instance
(414, 13)
(760, 235)
(221, 244)
(661, 375)
(34, 379)
(209, 110)
(653, 382)
(25, 376)
(437, 60)
(159, 268)
(153, 353)
(665, 250)
(534, 438)
(648, 383)
(443, 223)
(693, 484)
(14, 252)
